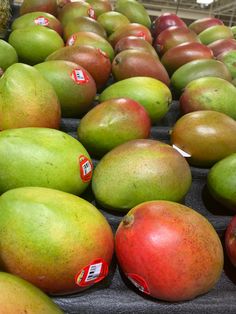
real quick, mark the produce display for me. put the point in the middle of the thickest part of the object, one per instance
(117, 160)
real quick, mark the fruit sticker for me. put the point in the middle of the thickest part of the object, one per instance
(79, 76)
(91, 13)
(71, 40)
(142, 35)
(139, 282)
(86, 168)
(41, 20)
(92, 273)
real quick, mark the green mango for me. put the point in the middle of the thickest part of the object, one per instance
(111, 20)
(151, 93)
(8, 55)
(34, 43)
(221, 181)
(229, 59)
(27, 99)
(19, 296)
(134, 11)
(43, 157)
(49, 6)
(49, 237)
(213, 33)
(196, 69)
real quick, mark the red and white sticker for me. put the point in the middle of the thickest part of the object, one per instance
(142, 35)
(71, 40)
(79, 76)
(139, 282)
(103, 53)
(41, 20)
(86, 168)
(92, 273)
(91, 13)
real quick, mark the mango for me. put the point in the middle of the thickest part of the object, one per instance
(229, 59)
(221, 181)
(19, 296)
(34, 43)
(131, 63)
(214, 33)
(43, 157)
(134, 11)
(151, 93)
(222, 46)
(207, 136)
(111, 20)
(91, 39)
(196, 69)
(27, 99)
(201, 24)
(139, 171)
(37, 18)
(52, 238)
(100, 6)
(8, 55)
(75, 87)
(209, 93)
(164, 21)
(49, 6)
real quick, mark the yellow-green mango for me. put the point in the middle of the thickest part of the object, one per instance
(8, 55)
(19, 296)
(43, 157)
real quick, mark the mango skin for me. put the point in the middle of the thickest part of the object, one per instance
(152, 94)
(214, 33)
(209, 93)
(206, 135)
(49, 6)
(200, 25)
(229, 59)
(34, 43)
(19, 296)
(111, 20)
(27, 99)
(221, 182)
(41, 157)
(139, 171)
(8, 55)
(198, 69)
(48, 237)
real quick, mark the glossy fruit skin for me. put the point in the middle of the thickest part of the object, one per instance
(152, 94)
(100, 6)
(196, 69)
(165, 21)
(42, 157)
(131, 63)
(183, 53)
(34, 43)
(138, 171)
(56, 235)
(131, 29)
(49, 6)
(133, 42)
(206, 136)
(209, 93)
(230, 240)
(111, 20)
(93, 59)
(8, 55)
(175, 252)
(112, 123)
(229, 59)
(221, 182)
(222, 46)
(214, 33)
(200, 25)
(27, 99)
(30, 19)
(19, 296)
(172, 37)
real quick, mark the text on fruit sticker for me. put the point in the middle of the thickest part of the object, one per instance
(79, 76)
(41, 20)
(92, 273)
(86, 168)
(139, 282)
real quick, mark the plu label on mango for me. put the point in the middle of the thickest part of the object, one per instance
(92, 273)
(71, 40)
(138, 282)
(79, 76)
(41, 20)
(86, 168)
(141, 35)
(91, 13)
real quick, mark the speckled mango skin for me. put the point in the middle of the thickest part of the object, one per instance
(19, 296)
(172, 247)
(48, 236)
(138, 171)
(41, 157)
